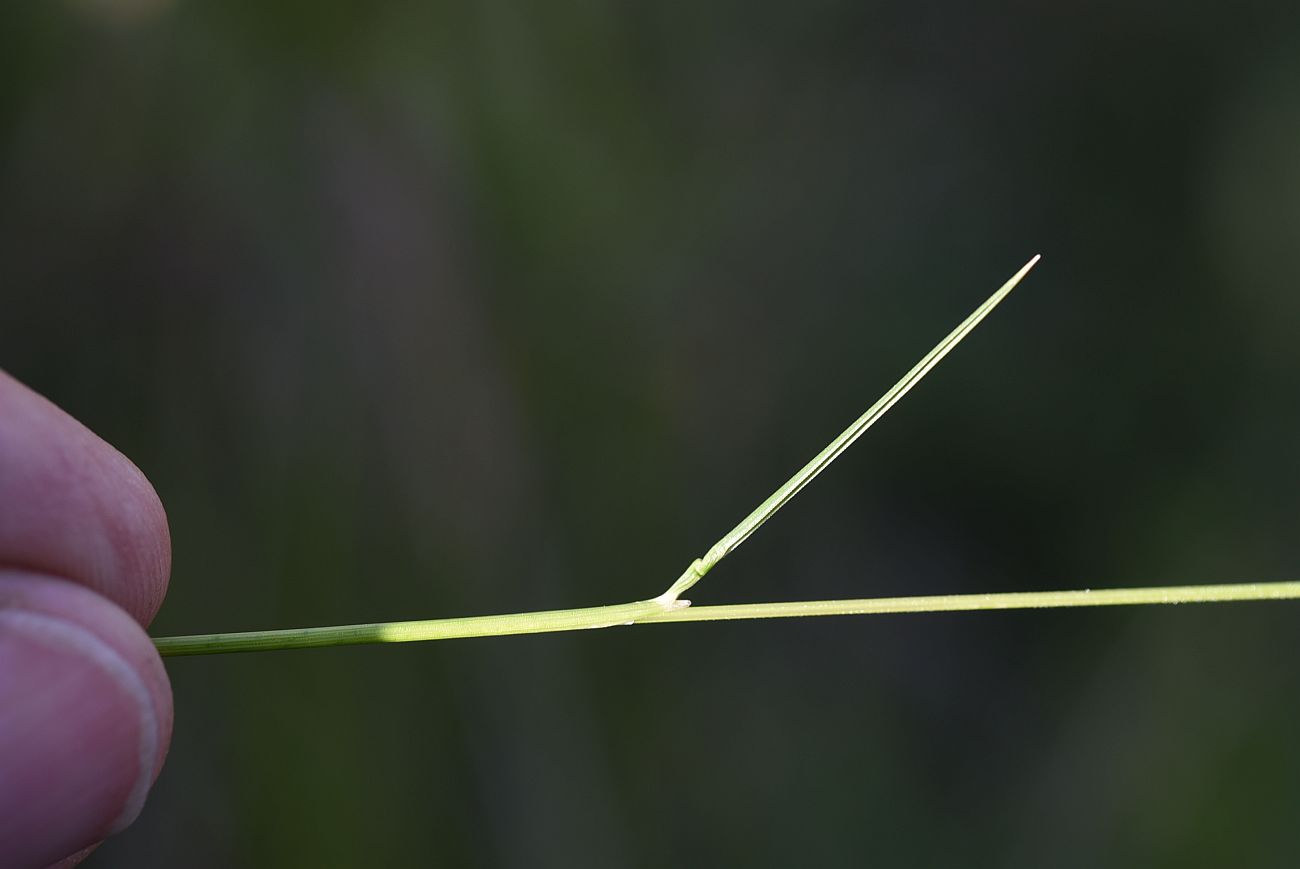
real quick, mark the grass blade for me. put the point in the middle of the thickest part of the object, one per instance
(778, 499)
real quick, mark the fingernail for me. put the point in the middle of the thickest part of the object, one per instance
(78, 738)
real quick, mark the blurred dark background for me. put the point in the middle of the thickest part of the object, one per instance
(417, 309)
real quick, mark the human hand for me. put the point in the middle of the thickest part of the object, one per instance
(85, 706)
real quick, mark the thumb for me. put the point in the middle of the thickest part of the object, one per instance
(85, 718)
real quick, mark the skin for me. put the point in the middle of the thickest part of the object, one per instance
(85, 705)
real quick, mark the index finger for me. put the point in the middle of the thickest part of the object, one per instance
(72, 506)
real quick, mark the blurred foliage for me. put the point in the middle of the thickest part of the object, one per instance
(415, 309)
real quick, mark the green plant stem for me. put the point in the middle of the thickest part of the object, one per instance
(409, 632)
(667, 607)
(651, 612)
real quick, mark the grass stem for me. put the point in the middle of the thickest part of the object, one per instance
(651, 612)
(668, 607)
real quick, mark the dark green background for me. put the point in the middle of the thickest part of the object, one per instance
(424, 309)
